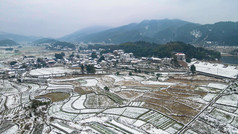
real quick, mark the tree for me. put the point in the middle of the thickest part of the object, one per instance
(13, 63)
(101, 58)
(158, 75)
(82, 69)
(106, 88)
(59, 56)
(130, 73)
(193, 69)
(94, 55)
(90, 69)
(118, 73)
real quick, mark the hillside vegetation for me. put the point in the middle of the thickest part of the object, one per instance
(163, 31)
(145, 49)
(7, 42)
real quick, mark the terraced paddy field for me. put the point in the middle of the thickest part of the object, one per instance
(131, 104)
(55, 97)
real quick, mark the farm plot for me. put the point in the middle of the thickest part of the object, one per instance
(222, 115)
(83, 90)
(63, 115)
(49, 71)
(129, 94)
(160, 121)
(55, 97)
(101, 128)
(228, 100)
(130, 112)
(12, 100)
(79, 103)
(98, 101)
(176, 103)
(67, 107)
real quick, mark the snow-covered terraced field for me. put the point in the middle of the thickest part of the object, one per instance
(157, 83)
(49, 71)
(79, 103)
(90, 82)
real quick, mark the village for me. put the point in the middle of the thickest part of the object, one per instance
(93, 91)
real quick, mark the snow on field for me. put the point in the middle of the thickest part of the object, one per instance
(79, 103)
(34, 87)
(117, 78)
(90, 82)
(189, 131)
(139, 123)
(128, 78)
(228, 100)
(198, 99)
(64, 80)
(12, 101)
(125, 120)
(50, 71)
(157, 83)
(131, 130)
(137, 78)
(134, 112)
(53, 86)
(216, 69)
(64, 116)
(62, 127)
(171, 130)
(67, 107)
(25, 97)
(12, 130)
(222, 115)
(91, 110)
(54, 108)
(116, 111)
(209, 97)
(152, 130)
(81, 117)
(217, 85)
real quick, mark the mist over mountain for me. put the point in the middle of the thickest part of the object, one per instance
(80, 34)
(17, 38)
(163, 31)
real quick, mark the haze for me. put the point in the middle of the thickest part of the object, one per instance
(56, 18)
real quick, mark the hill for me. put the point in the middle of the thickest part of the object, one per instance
(163, 31)
(146, 49)
(44, 40)
(7, 42)
(17, 38)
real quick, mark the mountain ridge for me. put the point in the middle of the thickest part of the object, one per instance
(166, 30)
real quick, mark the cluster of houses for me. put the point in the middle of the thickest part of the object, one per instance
(117, 59)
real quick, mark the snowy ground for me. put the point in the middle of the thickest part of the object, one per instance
(216, 69)
(50, 71)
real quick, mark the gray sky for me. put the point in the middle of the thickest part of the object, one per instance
(56, 18)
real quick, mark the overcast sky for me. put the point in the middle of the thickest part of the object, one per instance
(56, 18)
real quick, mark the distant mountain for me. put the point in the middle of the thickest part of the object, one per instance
(7, 42)
(163, 31)
(17, 38)
(82, 33)
(221, 33)
(44, 40)
(146, 30)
